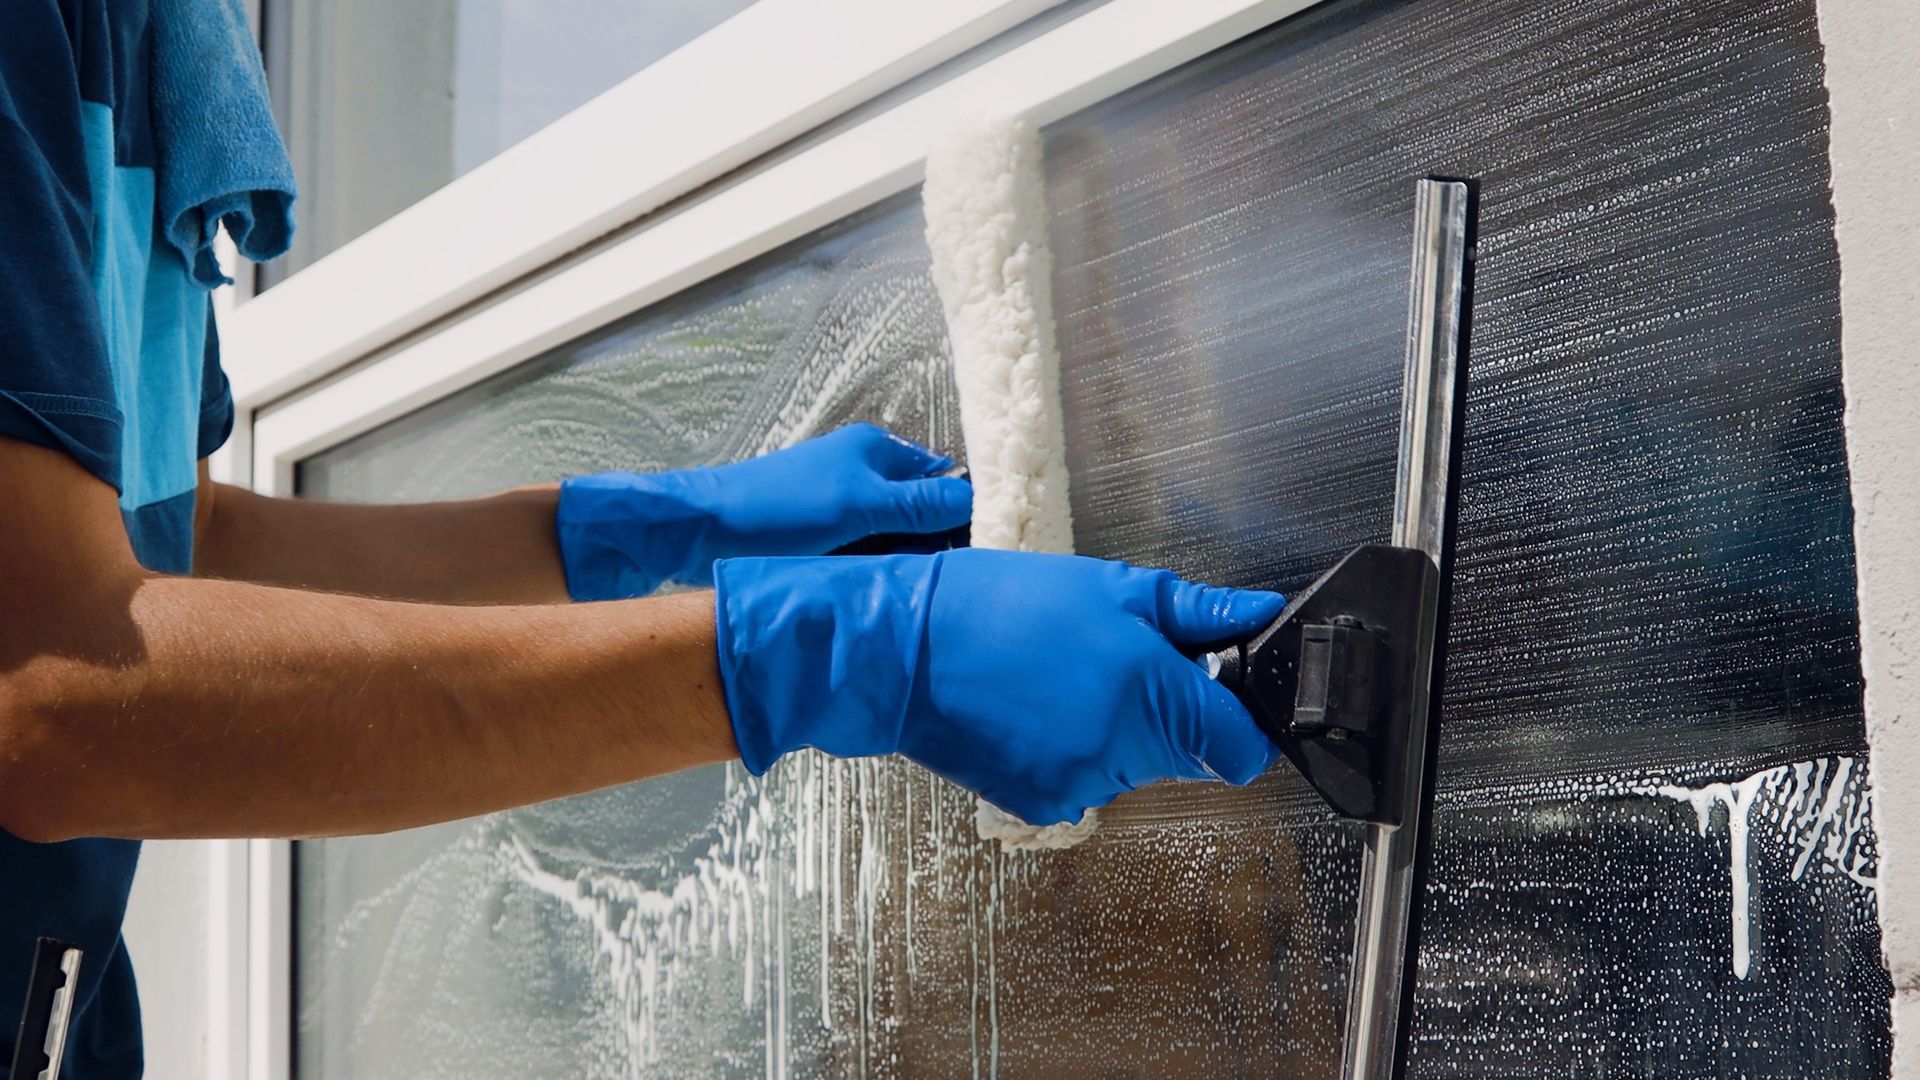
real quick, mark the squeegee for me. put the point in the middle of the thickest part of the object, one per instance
(1344, 679)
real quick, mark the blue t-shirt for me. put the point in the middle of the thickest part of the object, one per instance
(107, 353)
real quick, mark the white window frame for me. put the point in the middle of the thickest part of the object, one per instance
(774, 71)
(420, 307)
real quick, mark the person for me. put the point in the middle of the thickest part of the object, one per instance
(181, 658)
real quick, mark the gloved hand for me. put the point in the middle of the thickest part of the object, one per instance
(1045, 683)
(626, 534)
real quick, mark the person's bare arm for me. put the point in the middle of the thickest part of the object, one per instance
(139, 705)
(624, 533)
(496, 550)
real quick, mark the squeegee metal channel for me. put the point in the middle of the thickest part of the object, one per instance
(1435, 324)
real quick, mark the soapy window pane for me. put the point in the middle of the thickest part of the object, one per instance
(1628, 925)
(835, 916)
(693, 925)
(1653, 592)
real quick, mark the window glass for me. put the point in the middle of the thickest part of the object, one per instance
(383, 103)
(1653, 852)
(835, 914)
(693, 925)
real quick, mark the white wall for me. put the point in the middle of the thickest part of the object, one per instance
(167, 934)
(1875, 90)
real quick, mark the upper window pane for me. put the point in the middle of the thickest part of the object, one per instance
(383, 103)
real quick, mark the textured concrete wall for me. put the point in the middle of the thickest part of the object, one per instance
(1871, 47)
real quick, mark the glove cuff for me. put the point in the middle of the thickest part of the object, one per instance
(624, 535)
(819, 652)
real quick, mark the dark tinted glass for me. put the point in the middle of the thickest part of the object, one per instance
(1653, 854)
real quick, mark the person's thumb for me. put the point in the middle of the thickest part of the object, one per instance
(933, 505)
(1192, 615)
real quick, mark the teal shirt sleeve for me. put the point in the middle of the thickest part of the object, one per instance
(56, 380)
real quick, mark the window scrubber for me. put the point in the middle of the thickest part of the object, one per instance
(986, 209)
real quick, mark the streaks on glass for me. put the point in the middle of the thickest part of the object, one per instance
(840, 325)
(1604, 927)
(1832, 819)
(1655, 533)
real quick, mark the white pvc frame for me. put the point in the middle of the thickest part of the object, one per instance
(746, 87)
(350, 316)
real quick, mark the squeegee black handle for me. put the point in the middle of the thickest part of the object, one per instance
(906, 543)
(45, 1006)
(1331, 679)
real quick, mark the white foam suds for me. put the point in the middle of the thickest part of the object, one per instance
(1822, 809)
(986, 209)
(993, 823)
(778, 844)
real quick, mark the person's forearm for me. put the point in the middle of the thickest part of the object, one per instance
(205, 708)
(496, 550)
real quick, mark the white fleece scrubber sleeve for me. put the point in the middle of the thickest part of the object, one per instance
(986, 209)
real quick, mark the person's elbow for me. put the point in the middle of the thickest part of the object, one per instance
(36, 803)
(69, 645)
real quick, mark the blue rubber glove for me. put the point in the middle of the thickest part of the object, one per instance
(626, 534)
(1045, 683)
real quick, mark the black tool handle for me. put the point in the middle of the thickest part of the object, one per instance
(906, 543)
(50, 991)
(1330, 680)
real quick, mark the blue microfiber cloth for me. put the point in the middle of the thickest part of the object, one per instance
(218, 157)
